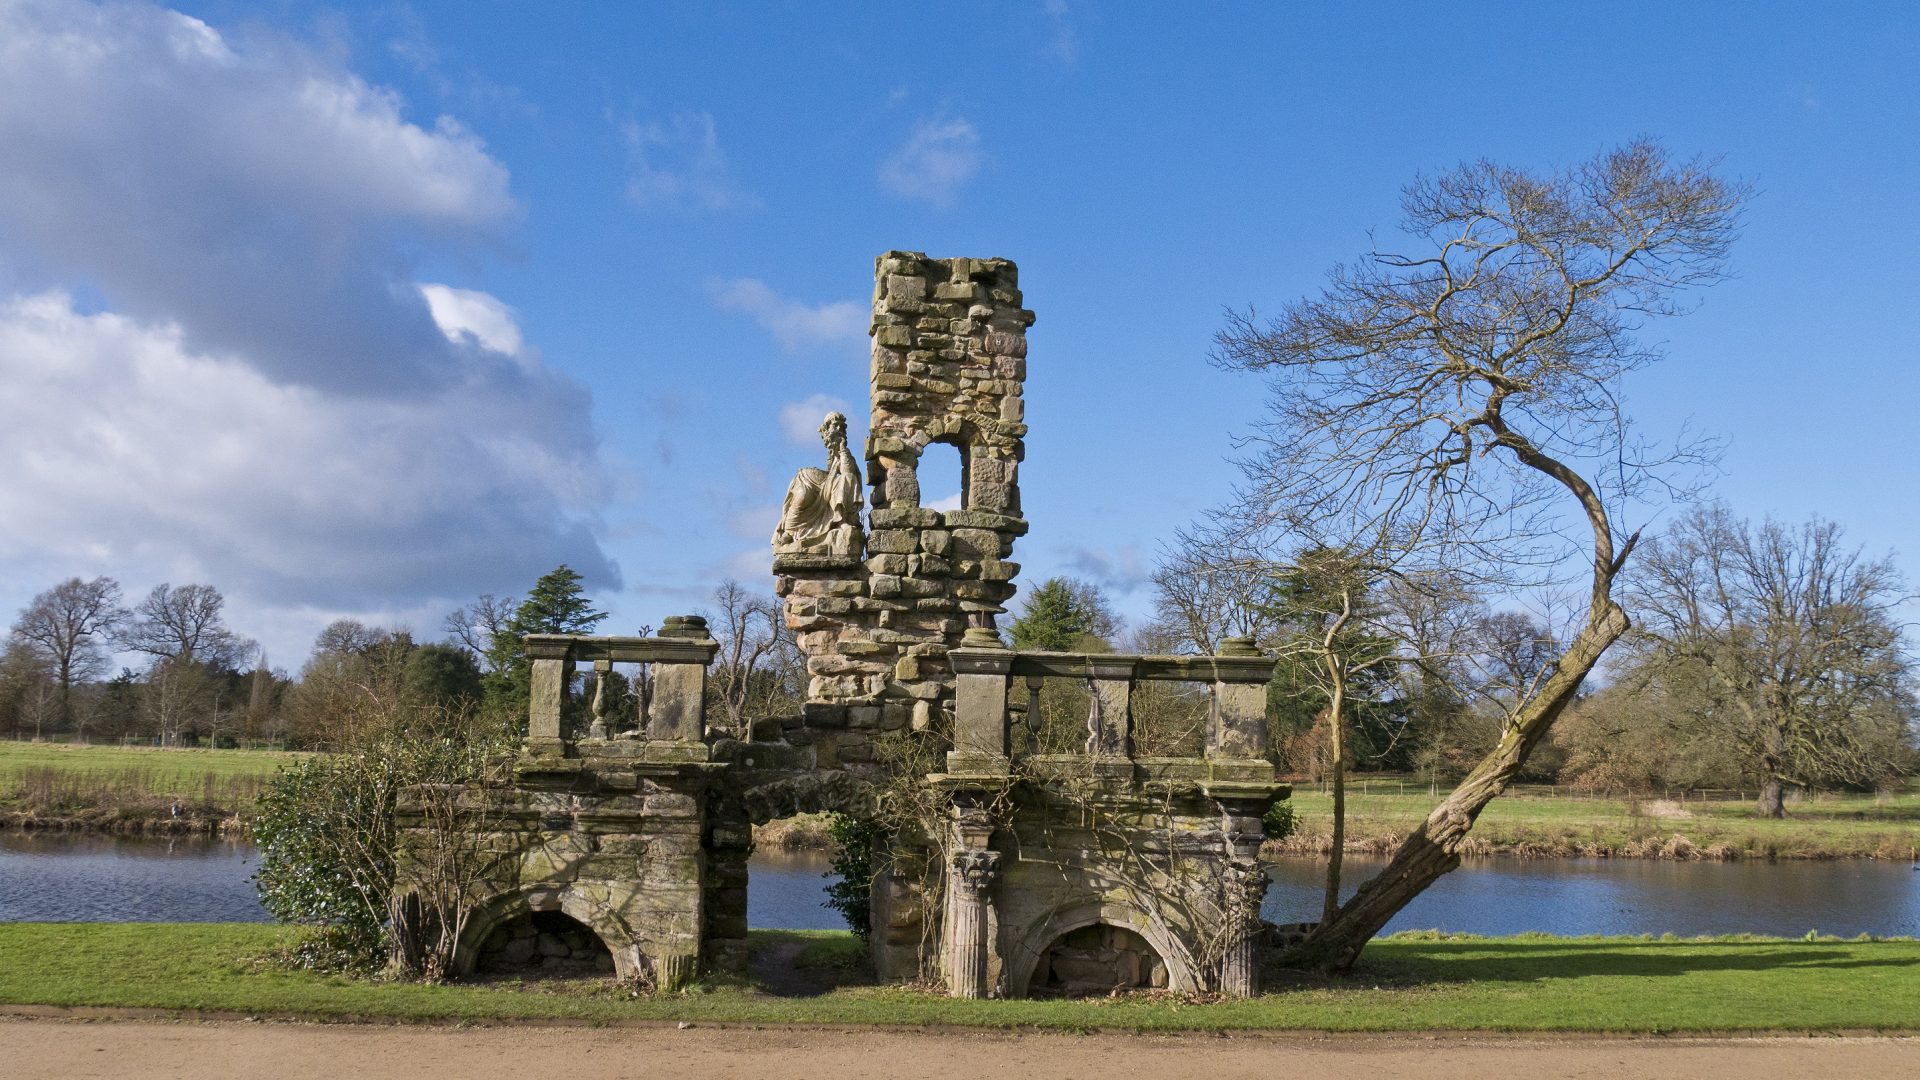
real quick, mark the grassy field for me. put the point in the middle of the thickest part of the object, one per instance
(1537, 822)
(171, 770)
(1407, 983)
(131, 789)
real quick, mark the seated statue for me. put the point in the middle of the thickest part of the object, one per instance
(821, 515)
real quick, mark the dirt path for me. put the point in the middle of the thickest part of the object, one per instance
(120, 1050)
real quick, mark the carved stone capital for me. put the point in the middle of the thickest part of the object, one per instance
(974, 868)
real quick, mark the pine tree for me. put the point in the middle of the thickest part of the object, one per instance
(555, 605)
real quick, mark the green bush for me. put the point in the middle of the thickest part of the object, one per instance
(1280, 821)
(851, 875)
(326, 831)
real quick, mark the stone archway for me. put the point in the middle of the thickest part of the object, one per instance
(807, 793)
(1027, 949)
(629, 961)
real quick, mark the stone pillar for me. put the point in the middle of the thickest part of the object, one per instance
(601, 669)
(1244, 888)
(1110, 716)
(678, 713)
(1241, 673)
(1245, 883)
(981, 669)
(972, 872)
(546, 701)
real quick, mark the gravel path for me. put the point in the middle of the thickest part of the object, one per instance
(134, 1050)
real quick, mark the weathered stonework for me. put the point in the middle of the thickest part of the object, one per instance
(1049, 874)
(949, 363)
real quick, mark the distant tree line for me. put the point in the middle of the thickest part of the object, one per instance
(199, 683)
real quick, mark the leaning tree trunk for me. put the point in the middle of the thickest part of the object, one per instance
(1433, 848)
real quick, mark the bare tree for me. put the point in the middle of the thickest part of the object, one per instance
(476, 626)
(184, 625)
(69, 626)
(751, 631)
(1202, 595)
(1457, 401)
(1783, 641)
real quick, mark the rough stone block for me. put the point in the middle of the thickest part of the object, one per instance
(977, 544)
(891, 542)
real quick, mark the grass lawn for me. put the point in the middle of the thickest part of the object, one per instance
(1537, 822)
(1407, 983)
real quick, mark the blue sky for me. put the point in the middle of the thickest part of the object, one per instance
(365, 310)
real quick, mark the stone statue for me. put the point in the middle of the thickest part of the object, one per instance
(821, 515)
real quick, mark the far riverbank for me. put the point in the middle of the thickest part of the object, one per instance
(166, 792)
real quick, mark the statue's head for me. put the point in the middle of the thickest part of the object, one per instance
(834, 428)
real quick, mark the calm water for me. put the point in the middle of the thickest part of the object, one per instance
(101, 879)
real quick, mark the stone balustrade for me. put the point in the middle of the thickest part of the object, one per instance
(674, 715)
(984, 670)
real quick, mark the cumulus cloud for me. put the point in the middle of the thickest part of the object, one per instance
(255, 393)
(248, 189)
(793, 324)
(678, 164)
(800, 420)
(120, 434)
(935, 162)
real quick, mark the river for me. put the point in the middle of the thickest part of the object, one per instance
(116, 879)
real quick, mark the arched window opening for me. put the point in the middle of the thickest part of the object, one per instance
(943, 477)
(1095, 961)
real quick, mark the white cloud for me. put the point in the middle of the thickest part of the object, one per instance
(248, 189)
(935, 162)
(679, 164)
(801, 419)
(468, 315)
(168, 464)
(256, 395)
(951, 502)
(793, 324)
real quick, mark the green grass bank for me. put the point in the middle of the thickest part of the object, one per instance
(131, 789)
(1545, 823)
(1407, 983)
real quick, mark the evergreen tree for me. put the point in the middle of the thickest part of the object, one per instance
(1064, 615)
(555, 605)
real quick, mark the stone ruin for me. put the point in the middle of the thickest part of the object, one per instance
(1025, 872)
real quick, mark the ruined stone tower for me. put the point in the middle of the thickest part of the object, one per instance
(949, 360)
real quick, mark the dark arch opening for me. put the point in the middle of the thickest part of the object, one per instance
(1096, 960)
(547, 944)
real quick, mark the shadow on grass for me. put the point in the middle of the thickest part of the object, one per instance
(1416, 962)
(805, 963)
